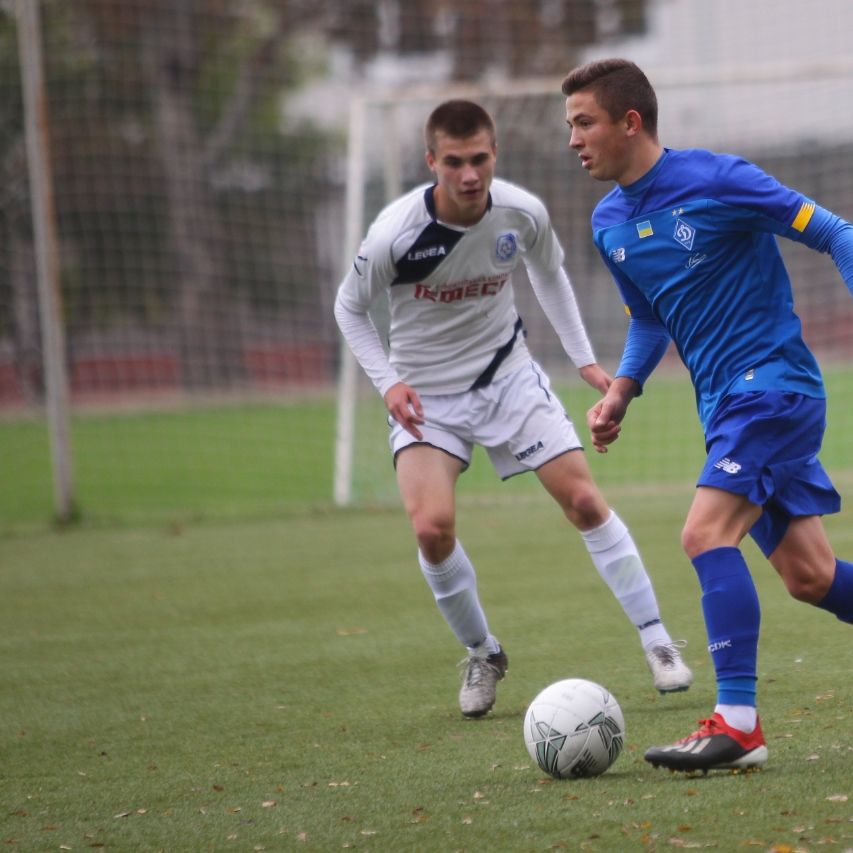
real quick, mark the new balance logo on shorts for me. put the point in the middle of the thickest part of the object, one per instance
(728, 465)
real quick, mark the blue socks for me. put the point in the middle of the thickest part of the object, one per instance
(839, 598)
(733, 616)
(732, 619)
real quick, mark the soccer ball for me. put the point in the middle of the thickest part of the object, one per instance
(574, 728)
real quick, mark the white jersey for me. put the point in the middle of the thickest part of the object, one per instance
(454, 324)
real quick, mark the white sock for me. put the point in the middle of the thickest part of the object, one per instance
(741, 717)
(617, 559)
(454, 584)
(654, 634)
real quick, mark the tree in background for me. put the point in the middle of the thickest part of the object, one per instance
(188, 204)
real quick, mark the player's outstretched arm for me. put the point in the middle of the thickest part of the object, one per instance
(405, 407)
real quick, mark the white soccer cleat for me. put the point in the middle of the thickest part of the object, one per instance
(669, 672)
(480, 677)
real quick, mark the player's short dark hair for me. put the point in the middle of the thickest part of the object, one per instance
(459, 119)
(618, 86)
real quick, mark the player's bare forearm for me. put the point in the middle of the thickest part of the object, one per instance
(405, 407)
(605, 417)
(596, 376)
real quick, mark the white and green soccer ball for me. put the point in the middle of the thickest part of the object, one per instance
(574, 728)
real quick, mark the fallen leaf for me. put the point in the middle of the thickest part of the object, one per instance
(268, 804)
(837, 798)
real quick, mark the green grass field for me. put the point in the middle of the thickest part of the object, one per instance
(266, 460)
(216, 659)
(289, 685)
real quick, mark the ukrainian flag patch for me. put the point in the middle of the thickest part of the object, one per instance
(804, 216)
(644, 229)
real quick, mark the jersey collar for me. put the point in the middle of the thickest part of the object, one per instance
(636, 190)
(429, 201)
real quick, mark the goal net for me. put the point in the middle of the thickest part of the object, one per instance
(214, 166)
(734, 108)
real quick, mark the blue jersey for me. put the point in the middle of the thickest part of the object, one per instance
(692, 247)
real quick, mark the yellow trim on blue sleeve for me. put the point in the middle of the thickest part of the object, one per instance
(627, 310)
(802, 219)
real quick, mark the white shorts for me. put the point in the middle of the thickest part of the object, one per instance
(517, 419)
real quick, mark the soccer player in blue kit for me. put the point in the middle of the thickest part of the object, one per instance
(690, 239)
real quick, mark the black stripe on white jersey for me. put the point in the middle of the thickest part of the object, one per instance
(430, 248)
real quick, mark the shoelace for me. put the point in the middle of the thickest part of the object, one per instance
(706, 728)
(666, 652)
(476, 671)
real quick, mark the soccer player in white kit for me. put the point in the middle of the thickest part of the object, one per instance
(458, 373)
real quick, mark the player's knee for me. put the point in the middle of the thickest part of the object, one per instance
(695, 540)
(806, 584)
(436, 536)
(585, 507)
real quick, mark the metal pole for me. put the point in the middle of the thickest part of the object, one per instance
(348, 379)
(47, 256)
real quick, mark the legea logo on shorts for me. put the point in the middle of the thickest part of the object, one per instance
(728, 465)
(529, 451)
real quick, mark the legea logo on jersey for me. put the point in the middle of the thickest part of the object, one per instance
(428, 252)
(684, 233)
(506, 247)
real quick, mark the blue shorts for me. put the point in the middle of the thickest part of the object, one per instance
(764, 445)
